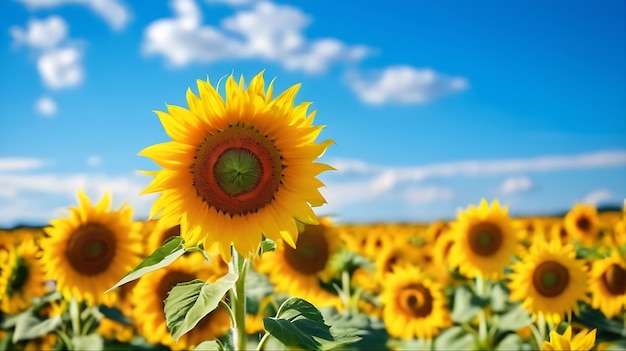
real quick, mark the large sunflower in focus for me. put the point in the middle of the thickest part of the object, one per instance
(549, 280)
(608, 285)
(299, 271)
(89, 251)
(151, 291)
(484, 241)
(414, 306)
(238, 168)
(21, 277)
(582, 223)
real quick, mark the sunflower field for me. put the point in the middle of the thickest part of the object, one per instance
(233, 257)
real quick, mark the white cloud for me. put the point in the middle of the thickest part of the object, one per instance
(266, 31)
(114, 12)
(29, 191)
(10, 164)
(428, 194)
(598, 196)
(41, 34)
(377, 181)
(231, 2)
(94, 161)
(404, 84)
(61, 68)
(46, 106)
(516, 184)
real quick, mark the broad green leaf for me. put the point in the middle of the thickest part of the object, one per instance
(466, 305)
(187, 303)
(289, 334)
(295, 306)
(313, 328)
(454, 338)
(341, 337)
(162, 257)
(88, 342)
(511, 341)
(515, 319)
(209, 345)
(29, 327)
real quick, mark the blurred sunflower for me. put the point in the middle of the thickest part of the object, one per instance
(549, 280)
(21, 277)
(149, 299)
(400, 253)
(238, 168)
(89, 251)
(582, 341)
(413, 306)
(484, 241)
(114, 330)
(558, 231)
(608, 285)
(436, 230)
(159, 234)
(299, 271)
(582, 223)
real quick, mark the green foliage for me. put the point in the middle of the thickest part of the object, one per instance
(161, 257)
(88, 342)
(300, 324)
(466, 305)
(28, 327)
(209, 345)
(454, 338)
(187, 303)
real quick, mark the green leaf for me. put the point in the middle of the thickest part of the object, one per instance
(499, 298)
(295, 306)
(515, 319)
(287, 333)
(187, 303)
(88, 342)
(209, 345)
(511, 341)
(341, 337)
(29, 327)
(161, 257)
(454, 338)
(268, 245)
(466, 305)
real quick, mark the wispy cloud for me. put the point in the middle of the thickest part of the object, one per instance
(11, 164)
(46, 106)
(94, 161)
(114, 12)
(516, 184)
(266, 31)
(599, 196)
(376, 181)
(404, 85)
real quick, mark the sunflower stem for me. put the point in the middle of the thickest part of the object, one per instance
(537, 336)
(482, 317)
(75, 316)
(66, 339)
(230, 312)
(238, 300)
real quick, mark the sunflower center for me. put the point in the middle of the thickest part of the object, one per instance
(583, 223)
(237, 170)
(614, 279)
(417, 300)
(19, 277)
(550, 278)
(311, 253)
(485, 239)
(91, 249)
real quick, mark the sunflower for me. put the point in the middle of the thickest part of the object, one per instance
(484, 241)
(114, 330)
(238, 168)
(159, 234)
(414, 306)
(151, 291)
(549, 280)
(608, 285)
(89, 251)
(582, 223)
(582, 341)
(299, 271)
(21, 277)
(400, 253)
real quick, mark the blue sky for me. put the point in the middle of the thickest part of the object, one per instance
(433, 105)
